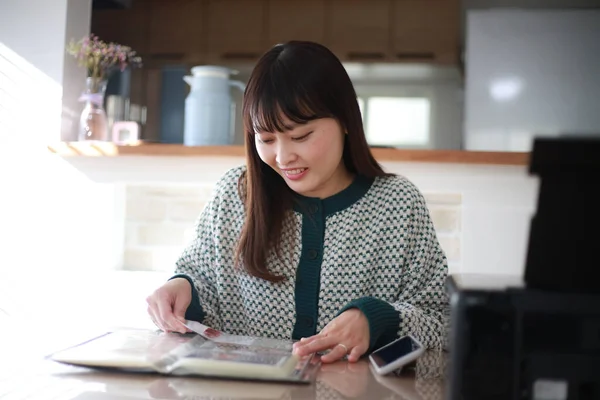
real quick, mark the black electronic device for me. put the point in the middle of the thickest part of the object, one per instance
(538, 336)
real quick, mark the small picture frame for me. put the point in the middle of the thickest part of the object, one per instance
(126, 132)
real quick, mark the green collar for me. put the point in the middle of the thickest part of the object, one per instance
(339, 201)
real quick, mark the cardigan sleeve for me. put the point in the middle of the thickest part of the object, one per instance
(197, 263)
(422, 307)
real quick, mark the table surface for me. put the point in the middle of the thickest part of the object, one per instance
(38, 378)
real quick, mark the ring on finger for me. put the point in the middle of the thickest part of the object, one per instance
(344, 346)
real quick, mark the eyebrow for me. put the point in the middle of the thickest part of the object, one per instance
(288, 127)
(291, 126)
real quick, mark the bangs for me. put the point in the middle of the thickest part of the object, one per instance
(276, 99)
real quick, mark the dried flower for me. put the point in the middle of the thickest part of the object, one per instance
(101, 58)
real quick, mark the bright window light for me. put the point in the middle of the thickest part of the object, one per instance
(361, 105)
(398, 121)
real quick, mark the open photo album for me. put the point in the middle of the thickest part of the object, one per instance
(205, 352)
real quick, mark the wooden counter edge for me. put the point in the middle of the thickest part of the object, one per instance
(107, 149)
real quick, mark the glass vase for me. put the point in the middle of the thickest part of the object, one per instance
(93, 123)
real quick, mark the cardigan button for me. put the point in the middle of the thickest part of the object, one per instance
(313, 208)
(312, 254)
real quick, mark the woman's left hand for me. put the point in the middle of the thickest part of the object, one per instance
(348, 334)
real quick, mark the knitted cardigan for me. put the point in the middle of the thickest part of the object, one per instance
(372, 247)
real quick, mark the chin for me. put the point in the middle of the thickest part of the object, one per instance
(300, 188)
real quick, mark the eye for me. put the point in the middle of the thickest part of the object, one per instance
(303, 137)
(265, 141)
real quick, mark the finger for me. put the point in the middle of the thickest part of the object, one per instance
(154, 305)
(178, 326)
(184, 329)
(177, 322)
(318, 344)
(153, 312)
(180, 306)
(165, 311)
(179, 309)
(335, 354)
(304, 341)
(356, 353)
(154, 317)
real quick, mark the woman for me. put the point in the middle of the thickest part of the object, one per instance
(311, 240)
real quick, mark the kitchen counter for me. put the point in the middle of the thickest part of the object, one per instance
(108, 149)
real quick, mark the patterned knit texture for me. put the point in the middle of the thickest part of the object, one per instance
(381, 247)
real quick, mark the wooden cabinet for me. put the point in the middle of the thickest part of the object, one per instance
(359, 29)
(426, 30)
(127, 27)
(295, 20)
(222, 32)
(176, 29)
(239, 31)
(236, 30)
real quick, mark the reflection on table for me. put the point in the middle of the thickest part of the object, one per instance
(341, 380)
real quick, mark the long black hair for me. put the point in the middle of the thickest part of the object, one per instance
(301, 81)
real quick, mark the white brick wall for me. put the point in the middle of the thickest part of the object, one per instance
(445, 209)
(160, 221)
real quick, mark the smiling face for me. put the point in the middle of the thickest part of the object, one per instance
(307, 156)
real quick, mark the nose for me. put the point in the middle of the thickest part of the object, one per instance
(285, 153)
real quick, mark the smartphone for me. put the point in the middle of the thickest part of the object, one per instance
(395, 355)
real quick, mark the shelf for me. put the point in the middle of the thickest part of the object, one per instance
(107, 149)
(451, 156)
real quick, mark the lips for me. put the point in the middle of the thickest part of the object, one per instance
(295, 173)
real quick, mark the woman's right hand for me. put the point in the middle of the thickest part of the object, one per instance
(168, 303)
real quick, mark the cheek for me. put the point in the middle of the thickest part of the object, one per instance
(265, 155)
(326, 151)
(318, 152)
